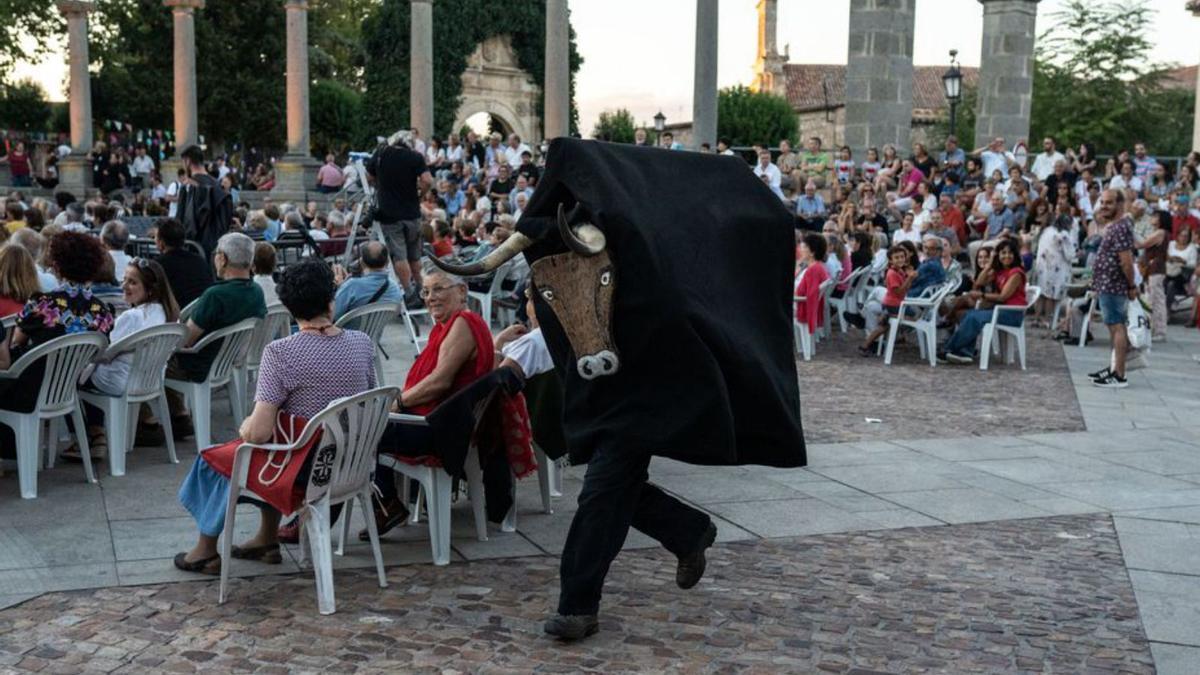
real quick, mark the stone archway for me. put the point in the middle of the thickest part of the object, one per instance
(494, 83)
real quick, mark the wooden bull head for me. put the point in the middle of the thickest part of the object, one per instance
(579, 290)
(578, 286)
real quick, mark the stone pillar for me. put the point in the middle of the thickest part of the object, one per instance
(1006, 71)
(704, 92)
(75, 170)
(186, 116)
(1193, 6)
(879, 75)
(420, 95)
(296, 171)
(558, 71)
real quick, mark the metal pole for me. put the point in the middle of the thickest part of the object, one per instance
(953, 116)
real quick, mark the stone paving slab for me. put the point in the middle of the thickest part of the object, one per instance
(1048, 595)
(842, 389)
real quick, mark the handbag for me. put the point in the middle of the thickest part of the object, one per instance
(273, 474)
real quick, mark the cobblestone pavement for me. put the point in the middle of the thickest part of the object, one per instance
(912, 400)
(1039, 595)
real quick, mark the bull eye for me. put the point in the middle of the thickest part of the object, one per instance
(548, 294)
(605, 278)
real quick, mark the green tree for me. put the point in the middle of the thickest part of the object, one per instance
(616, 126)
(335, 49)
(23, 106)
(239, 68)
(336, 112)
(240, 62)
(28, 30)
(747, 117)
(457, 28)
(1094, 80)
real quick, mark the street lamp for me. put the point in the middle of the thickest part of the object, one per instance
(660, 123)
(952, 86)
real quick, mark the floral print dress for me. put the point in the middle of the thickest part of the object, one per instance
(1055, 251)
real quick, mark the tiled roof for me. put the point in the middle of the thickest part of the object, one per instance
(1182, 78)
(821, 86)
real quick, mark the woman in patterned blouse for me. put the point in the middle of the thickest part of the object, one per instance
(77, 260)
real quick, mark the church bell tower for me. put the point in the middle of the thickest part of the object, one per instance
(768, 64)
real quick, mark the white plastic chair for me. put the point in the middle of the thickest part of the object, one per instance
(848, 302)
(272, 327)
(485, 299)
(1087, 319)
(826, 292)
(435, 487)
(993, 330)
(186, 312)
(223, 373)
(8, 322)
(924, 325)
(352, 429)
(804, 335)
(371, 319)
(149, 349)
(410, 324)
(65, 358)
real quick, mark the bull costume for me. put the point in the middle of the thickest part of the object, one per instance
(662, 282)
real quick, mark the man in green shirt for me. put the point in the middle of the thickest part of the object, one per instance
(234, 298)
(814, 164)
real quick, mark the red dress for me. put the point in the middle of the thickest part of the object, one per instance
(1017, 299)
(811, 310)
(9, 306)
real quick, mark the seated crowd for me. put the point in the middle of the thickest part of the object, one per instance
(994, 224)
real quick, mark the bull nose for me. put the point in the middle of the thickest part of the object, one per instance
(596, 365)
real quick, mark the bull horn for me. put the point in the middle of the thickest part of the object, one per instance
(516, 243)
(585, 239)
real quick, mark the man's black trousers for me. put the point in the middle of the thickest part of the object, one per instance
(615, 495)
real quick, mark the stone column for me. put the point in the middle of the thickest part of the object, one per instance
(1193, 6)
(296, 171)
(558, 71)
(420, 94)
(879, 75)
(186, 116)
(704, 91)
(1006, 71)
(75, 171)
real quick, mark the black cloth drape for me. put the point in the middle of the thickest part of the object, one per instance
(704, 257)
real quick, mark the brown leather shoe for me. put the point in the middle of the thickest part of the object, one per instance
(387, 516)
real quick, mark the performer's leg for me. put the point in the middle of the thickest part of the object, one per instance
(607, 503)
(678, 527)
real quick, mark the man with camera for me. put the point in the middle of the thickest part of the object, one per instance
(400, 176)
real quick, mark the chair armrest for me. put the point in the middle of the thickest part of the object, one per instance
(405, 418)
(798, 298)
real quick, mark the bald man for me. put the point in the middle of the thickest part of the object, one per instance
(373, 285)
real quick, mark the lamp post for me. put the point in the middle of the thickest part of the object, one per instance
(660, 123)
(952, 86)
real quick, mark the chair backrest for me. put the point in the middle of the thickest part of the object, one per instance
(370, 319)
(150, 349)
(345, 458)
(860, 288)
(186, 312)
(8, 322)
(65, 358)
(270, 328)
(235, 340)
(1032, 293)
(825, 289)
(498, 278)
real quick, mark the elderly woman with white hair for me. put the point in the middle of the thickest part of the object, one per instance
(460, 351)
